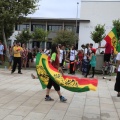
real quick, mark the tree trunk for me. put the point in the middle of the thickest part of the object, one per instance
(99, 44)
(5, 42)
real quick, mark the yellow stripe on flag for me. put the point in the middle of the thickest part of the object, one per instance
(111, 34)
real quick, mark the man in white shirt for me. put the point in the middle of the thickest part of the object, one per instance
(1, 51)
(117, 84)
(62, 55)
(73, 54)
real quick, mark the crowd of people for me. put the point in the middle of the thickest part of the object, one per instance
(82, 60)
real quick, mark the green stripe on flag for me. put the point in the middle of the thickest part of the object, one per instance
(73, 89)
(37, 63)
(115, 32)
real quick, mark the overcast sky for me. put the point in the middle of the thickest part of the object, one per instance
(58, 9)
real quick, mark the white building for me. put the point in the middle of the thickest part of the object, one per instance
(98, 12)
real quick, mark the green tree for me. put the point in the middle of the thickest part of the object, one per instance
(24, 36)
(8, 31)
(11, 12)
(116, 24)
(65, 38)
(98, 34)
(39, 34)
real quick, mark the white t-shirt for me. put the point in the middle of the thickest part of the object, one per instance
(1, 49)
(118, 58)
(61, 56)
(73, 53)
(85, 52)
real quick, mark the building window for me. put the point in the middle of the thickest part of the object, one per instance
(22, 27)
(34, 26)
(54, 28)
(70, 28)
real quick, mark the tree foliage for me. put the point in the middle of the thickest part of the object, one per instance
(40, 34)
(65, 38)
(98, 34)
(24, 36)
(12, 12)
(9, 29)
(116, 24)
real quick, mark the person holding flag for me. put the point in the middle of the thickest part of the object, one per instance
(111, 44)
(55, 63)
(107, 54)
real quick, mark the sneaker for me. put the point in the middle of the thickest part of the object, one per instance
(63, 99)
(12, 72)
(19, 73)
(73, 73)
(118, 95)
(85, 76)
(49, 99)
(91, 77)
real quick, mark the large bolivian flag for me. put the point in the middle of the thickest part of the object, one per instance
(112, 39)
(46, 71)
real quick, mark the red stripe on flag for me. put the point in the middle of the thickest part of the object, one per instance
(108, 39)
(82, 81)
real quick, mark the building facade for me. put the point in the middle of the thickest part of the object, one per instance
(47, 24)
(97, 12)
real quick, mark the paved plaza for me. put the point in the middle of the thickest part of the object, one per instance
(22, 98)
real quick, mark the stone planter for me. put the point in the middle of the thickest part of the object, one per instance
(99, 62)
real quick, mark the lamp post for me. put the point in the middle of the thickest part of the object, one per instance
(76, 22)
(77, 16)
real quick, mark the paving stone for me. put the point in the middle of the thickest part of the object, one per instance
(13, 117)
(92, 102)
(88, 116)
(34, 116)
(75, 112)
(12, 105)
(107, 107)
(55, 115)
(4, 113)
(106, 101)
(22, 111)
(60, 106)
(105, 115)
(118, 111)
(42, 108)
(72, 118)
(22, 98)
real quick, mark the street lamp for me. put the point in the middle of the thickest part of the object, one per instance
(76, 24)
(77, 16)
